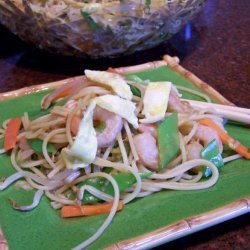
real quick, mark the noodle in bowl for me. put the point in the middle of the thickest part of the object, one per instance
(96, 28)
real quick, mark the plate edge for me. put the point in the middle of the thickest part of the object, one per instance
(185, 227)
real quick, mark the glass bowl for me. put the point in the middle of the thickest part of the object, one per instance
(96, 28)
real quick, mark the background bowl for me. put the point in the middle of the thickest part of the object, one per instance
(102, 29)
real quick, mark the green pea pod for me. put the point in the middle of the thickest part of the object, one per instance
(148, 6)
(135, 78)
(124, 181)
(168, 140)
(37, 146)
(212, 154)
(135, 91)
(90, 21)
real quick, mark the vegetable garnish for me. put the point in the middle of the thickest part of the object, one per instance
(124, 181)
(227, 139)
(87, 210)
(212, 154)
(37, 146)
(89, 20)
(168, 140)
(83, 150)
(11, 133)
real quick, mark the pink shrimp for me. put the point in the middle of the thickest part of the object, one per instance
(175, 104)
(148, 128)
(113, 126)
(193, 150)
(206, 134)
(147, 150)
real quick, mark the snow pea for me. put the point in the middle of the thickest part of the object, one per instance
(37, 146)
(212, 154)
(91, 22)
(135, 78)
(168, 140)
(124, 181)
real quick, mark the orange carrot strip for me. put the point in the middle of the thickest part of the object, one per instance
(86, 210)
(11, 133)
(75, 123)
(226, 139)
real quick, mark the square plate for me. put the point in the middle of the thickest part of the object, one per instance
(145, 222)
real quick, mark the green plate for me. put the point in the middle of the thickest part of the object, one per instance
(43, 228)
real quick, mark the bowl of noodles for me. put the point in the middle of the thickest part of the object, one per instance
(102, 140)
(107, 28)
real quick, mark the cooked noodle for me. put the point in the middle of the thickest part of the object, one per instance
(48, 172)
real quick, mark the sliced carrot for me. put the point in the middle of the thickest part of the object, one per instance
(75, 123)
(11, 133)
(87, 210)
(226, 139)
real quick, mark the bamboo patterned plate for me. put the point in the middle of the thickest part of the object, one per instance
(145, 222)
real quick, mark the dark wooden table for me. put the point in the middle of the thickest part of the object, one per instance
(215, 46)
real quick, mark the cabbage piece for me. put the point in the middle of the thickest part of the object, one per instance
(112, 80)
(124, 108)
(84, 148)
(155, 101)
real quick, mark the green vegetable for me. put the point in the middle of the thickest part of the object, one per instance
(124, 181)
(90, 21)
(212, 154)
(135, 78)
(135, 91)
(168, 140)
(100, 126)
(148, 5)
(37, 146)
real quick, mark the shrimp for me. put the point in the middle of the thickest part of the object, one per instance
(147, 150)
(206, 134)
(148, 128)
(175, 104)
(193, 150)
(113, 126)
